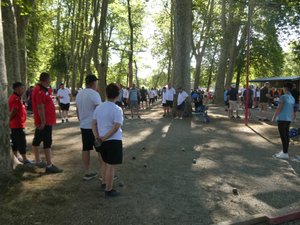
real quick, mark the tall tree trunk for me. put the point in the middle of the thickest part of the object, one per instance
(182, 47)
(5, 152)
(211, 69)
(22, 22)
(226, 40)
(11, 42)
(130, 67)
(136, 75)
(171, 78)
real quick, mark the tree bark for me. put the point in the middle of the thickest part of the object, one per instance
(5, 152)
(182, 47)
(11, 43)
(130, 58)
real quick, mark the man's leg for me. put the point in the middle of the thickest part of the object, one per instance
(86, 161)
(109, 176)
(101, 168)
(48, 155)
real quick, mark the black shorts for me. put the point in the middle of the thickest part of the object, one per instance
(164, 104)
(120, 104)
(88, 139)
(64, 106)
(18, 140)
(169, 104)
(44, 136)
(181, 107)
(112, 151)
(143, 99)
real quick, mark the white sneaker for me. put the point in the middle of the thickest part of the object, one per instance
(282, 155)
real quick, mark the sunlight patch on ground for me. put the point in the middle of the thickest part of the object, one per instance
(165, 130)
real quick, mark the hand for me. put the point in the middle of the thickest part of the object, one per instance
(41, 126)
(273, 119)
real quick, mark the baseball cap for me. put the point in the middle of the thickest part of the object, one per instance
(90, 78)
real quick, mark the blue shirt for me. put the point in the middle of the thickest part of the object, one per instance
(287, 101)
(133, 94)
(225, 95)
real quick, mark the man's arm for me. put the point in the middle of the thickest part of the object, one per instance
(12, 114)
(41, 112)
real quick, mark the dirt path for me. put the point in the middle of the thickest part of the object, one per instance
(162, 185)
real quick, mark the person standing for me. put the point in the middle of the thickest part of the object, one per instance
(170, 92)
(226, 101)
(295, 93)
(144, 94)
(164, 101)
(44, 119)
(283, 115)
(265, 97)
(63, 95)
(233, 96)
(17, 122)
(250, 100)
(182, 96)
(107, 122)
(86, 102)
(125, 96)
(133, 100)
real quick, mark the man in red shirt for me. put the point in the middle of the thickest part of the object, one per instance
(44, 118)
(17, 121)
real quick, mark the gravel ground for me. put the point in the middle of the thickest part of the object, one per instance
(177, 172)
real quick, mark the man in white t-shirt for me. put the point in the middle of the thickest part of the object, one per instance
(86, 102)
(125, 96)
(170, 92)
(63, 95)
(182, 96)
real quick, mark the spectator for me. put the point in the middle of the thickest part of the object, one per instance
(265, 97)
(63, 95)
(17, 122)
(233, 96)
(283, 115)
(164, 101)
(250, 99)
(144, 94)
(86, 102)
(107, 122)
(44, 119)
(182, 96)
(226, 101)
(170, 92)
(133, 101)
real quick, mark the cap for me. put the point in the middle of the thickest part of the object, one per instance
(90, 78)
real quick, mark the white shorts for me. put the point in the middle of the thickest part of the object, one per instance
(233, 105)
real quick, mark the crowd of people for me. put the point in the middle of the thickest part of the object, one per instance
(100, 122)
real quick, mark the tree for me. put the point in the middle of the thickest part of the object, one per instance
(5, 153)
(11, 42)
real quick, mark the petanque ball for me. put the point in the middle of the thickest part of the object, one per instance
(235, 191)
(133, 157)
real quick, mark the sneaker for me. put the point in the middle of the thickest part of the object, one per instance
(112, 193)
(180, 118)
(53, 169)
(89, 176)
(282, 155)
(41, 164)
(27, 162)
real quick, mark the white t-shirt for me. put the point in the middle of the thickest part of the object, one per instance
(64, 95)
(106, 115)
(86, 101)
(181, 97)
(151, 94)
(170, 94)
(164, 97)
(125, 93)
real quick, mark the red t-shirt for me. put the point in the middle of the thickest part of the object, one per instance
(41, 95)
(19, 120)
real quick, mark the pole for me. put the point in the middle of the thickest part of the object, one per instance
(248, 65)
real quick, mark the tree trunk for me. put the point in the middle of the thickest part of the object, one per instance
(130, 67)
(171, 78)
(136, 75)
(5, 152)
(211, 68)
(11, 43)
(226, 40)
(182, 47)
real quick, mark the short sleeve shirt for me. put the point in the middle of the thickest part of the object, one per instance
(15, 103)
(286, 112)
(106, 115)
(263, 95)
(86, 101)
(170, 92)
(64, 95)
(42, 96)
(133, 94)
(232, 94)
(181, 97)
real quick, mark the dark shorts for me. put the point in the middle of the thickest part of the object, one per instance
(44, 136)
(18, 140)
(226, 103)
(181, 107)
(112, 152)
(88, 139)
(143, 99)
(169, 104)
(164, 104)
(120, 104)
(64, 106)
